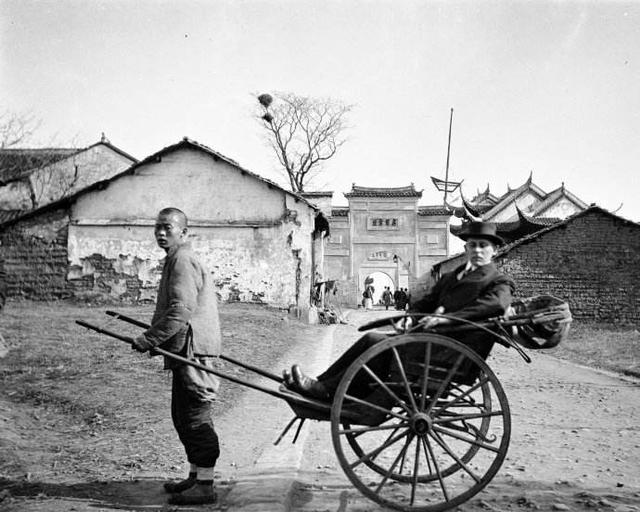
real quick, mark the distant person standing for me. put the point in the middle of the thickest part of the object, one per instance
(386, 297)
(396, 297)
(367, 296)
(401, 304)
(186, 323)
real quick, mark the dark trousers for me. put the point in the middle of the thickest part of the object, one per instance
(192, 420)
(360, 384)
(480, 342)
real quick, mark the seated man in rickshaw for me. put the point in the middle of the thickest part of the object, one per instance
(474, 291)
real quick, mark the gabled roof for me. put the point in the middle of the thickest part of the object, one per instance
(591, 209)
(18, 163)
(512, 195)
(483, 200)
(189, 143)
(509, 231)
(107, 143)
(476, 209)
(503, 250)
(357, 191)
(538, 222)
(184, 143)
(553, 196)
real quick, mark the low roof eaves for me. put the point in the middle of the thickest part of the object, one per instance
(100, 185)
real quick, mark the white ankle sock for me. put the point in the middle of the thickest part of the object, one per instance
(205, 473)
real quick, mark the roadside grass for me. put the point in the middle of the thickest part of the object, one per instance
(78, 391)
(602, 346)
(55, 361)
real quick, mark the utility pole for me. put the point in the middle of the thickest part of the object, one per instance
(445, 185)
(446, 175)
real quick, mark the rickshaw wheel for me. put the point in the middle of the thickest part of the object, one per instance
(483, 430)
(431, 433)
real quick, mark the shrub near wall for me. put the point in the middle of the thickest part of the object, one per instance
(592, 261)
(35, 257)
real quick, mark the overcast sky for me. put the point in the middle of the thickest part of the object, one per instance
(548, 87)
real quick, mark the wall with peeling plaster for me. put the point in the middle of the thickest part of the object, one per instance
(254, 237)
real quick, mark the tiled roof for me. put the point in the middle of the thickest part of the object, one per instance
(504, 249)
(434, 210)
(591, 209)
(538, 221)
(18, 163)
(185, 142)
(474, 208)
(511, 231)
(553, 196)
(512, 195)
(409, 191)
(484, 199)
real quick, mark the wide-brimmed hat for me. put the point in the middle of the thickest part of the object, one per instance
(475, 229)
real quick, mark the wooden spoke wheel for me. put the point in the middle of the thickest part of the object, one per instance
(419, 422)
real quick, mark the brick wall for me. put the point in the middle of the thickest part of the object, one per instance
(592, 262)
(35, 257)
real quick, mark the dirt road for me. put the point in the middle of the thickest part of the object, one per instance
(575, 443)
(575, 446)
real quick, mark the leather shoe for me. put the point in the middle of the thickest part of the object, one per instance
(307, 385)
(287, 379)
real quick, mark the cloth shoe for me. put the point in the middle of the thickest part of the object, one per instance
(307, 385)
(201, 493)
(182, 485)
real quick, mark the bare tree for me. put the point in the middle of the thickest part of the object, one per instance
(303, 132)
(42, 179)
(16, 129)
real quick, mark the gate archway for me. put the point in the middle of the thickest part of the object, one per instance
(379, 280)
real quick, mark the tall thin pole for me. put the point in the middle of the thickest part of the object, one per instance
(446, 176)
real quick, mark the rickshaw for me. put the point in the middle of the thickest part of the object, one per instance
(433, 429)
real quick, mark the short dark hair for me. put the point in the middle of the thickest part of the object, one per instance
(174, 211)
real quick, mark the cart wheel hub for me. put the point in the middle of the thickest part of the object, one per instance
(420, 423)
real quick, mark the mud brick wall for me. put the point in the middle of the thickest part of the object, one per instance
(35, 257)
(592, 262)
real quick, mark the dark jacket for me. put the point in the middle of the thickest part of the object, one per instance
(185, 298)
(481, 294)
